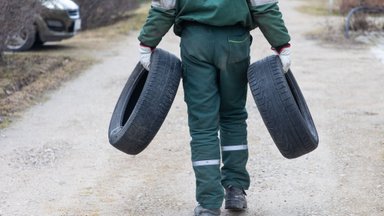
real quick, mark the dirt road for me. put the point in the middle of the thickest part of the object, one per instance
(56, 160)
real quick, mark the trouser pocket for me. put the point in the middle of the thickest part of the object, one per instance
(239, 47)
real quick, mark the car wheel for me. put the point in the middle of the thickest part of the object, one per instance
(22, 40)
(144, 103)
(282, 107)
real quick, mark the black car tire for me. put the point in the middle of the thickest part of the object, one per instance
(144, 103)
(282, 108)
(28, 35)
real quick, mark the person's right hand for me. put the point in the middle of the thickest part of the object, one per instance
(285, 57)
(284, 53)
(145, 56)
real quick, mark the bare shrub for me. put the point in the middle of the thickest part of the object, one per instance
(360, 22)
(14, 16)
(347, 5)
(97, 13)
(363, 20)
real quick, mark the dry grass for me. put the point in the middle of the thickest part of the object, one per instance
(319, 8)
(332, 31)
(347, 5)
(131, 22)
(25, 78)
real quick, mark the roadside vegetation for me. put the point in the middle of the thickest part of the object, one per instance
(26, 77)
(364, 28)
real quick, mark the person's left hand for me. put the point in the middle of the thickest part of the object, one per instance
(145, 56)
(285, 57)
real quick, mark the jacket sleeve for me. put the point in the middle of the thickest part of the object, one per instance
(160, 19)
(268, 18)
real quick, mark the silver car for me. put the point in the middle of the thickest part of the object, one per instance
(58, 20)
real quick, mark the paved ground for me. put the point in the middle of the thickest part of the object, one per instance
(56, 160)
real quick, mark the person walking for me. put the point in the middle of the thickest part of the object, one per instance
(215, 53)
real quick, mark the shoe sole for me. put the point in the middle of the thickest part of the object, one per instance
(235, 205)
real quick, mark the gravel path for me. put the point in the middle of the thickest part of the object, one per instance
(56, 159)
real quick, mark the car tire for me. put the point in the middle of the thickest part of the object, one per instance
(23, 40)
(144, 103)
(282, 108)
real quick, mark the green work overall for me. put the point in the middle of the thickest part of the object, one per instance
(215, 62)
(215, 44)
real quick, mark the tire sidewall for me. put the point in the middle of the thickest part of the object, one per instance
(281, 112)
(151, 107)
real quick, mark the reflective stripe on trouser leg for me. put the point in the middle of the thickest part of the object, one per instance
(234, 148)
(206, 163)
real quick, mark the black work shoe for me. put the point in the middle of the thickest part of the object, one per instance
(200, 211)
(235, 199)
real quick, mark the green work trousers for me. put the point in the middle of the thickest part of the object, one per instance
(215, 63)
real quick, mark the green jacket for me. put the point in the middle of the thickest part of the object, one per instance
(251, 14)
